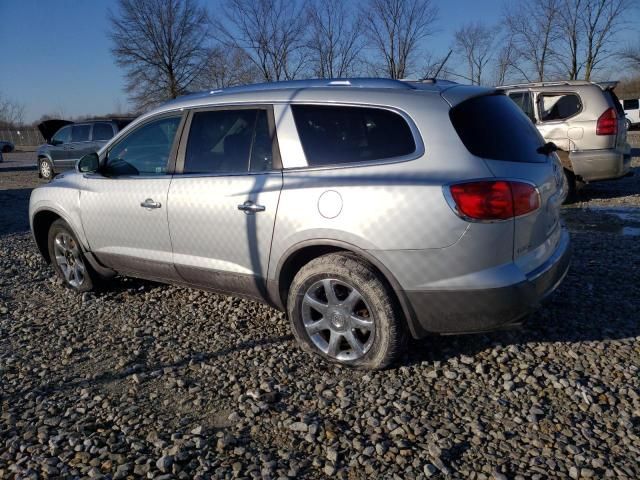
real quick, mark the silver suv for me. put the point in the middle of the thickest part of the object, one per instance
(586, 122)
(367, 209)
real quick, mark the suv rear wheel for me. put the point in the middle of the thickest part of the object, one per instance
(45, 168)
(342, 310)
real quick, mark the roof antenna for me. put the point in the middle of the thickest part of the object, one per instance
(441, 65)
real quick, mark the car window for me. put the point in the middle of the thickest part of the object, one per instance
(102, 131)
(558, 106)
(492, 127)
(145, 151)
(80, 133)
(62, 136)
(337, 134)
(523, 100)
(633, 104)
(228, 141)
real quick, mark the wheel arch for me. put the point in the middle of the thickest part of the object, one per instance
(41, 223)
(302, 253)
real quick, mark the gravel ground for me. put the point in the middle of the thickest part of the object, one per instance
(147, 380)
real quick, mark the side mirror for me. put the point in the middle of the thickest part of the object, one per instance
(55, 142)
(89, 163)
(548, 148)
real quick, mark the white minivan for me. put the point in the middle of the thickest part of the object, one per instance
(631, 111)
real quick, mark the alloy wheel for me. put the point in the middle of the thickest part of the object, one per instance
(69, 259)
(337, 319)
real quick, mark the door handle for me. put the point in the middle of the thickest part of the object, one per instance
(249, 207)
(149, 204)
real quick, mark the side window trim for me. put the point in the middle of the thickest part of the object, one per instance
(541, 95)
(177, 139)
(182, 148)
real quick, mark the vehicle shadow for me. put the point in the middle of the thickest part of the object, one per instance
(14, 214)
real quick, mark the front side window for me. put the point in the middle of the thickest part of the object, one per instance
(102, 131)
(228, 141)
(145, 151)
(631, 104)
(62, 136)
(340, 134)
(80, 133)
(560, 106)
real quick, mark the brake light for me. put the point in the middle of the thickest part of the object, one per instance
(607, 123)
(494, 200)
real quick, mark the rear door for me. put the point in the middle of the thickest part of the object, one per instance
(224, 197)
(493, 128)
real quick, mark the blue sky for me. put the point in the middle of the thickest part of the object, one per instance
(55, 58)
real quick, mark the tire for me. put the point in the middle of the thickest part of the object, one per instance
(6, 149)
(45, 169)
(68, 260)
(358, 326)
(628, 122)
(572, 184)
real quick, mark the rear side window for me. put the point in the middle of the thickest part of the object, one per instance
(493, 127)
(102, 131)
(631, 104)
(80, 133)
(335, 135)
(523, 100)
(228, 141)
(558, 106)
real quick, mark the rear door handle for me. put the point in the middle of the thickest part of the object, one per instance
(249, 207)
(149, 204)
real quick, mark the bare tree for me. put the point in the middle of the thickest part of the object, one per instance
(506, 60)
(11, 112)
(396, 29)
(572, 32)
(474, 42)
(270, 32)
(227, 67)
(601, 21)
(161, 45)
(335, 40)
(631, 56)
(534, 27)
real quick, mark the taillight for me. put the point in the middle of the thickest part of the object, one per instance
(607, 123)
(494, 200)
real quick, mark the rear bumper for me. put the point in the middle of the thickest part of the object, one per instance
(466, 311)
(594, 165)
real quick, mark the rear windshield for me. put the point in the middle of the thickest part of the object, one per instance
(493, 127)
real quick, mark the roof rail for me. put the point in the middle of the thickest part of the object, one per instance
(558, 83)
(316, 83)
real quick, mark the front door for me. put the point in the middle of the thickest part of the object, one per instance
(59, 147)
(124, 205)
(223, 199)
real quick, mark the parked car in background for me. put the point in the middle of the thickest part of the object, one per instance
(367, 209)
(586, 122)
(6, 146)
(631, 108)
(67, 142)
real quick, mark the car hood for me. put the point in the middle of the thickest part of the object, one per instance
(48, 128)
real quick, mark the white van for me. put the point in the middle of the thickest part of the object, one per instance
(631, 111)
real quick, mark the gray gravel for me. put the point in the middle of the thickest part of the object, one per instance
(146, 380)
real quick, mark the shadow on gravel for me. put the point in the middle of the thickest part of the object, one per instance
(147, 371)
(14, 210)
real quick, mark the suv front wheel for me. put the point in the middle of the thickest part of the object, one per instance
(341, 309)
(67, 258)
